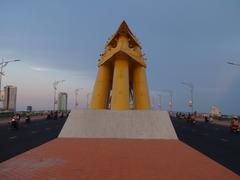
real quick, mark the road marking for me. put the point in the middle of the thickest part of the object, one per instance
(47, 129)
(13, 137)
(224, 140)
(34, 132)
(204, 134)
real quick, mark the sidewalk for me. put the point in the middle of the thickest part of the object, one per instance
(79, 158)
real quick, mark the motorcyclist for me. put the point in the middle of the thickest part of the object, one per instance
(55, 115)
(15, 122)
(234, 125)
(28, 118)
(189, 117)
(193, 117)
(206, 119)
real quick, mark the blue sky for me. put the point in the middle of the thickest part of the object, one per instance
(185, 40)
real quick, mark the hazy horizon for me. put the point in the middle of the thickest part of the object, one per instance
(184, 41)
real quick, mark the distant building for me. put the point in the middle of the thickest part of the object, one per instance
(10, 98)
(29, 108)
(2, 95)
(62, 101)
(215, 111)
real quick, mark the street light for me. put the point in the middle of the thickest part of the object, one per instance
(55, 84)
(159, 101)
(190, 85)
(170, 93)
(2, 65)
(88, 94)
(76, 98)
(232, 63)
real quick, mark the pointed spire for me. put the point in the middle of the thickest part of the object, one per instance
(124, 29)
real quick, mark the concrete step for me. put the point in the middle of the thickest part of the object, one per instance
(129, 124)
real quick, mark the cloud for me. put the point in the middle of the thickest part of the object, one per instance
(39, 68)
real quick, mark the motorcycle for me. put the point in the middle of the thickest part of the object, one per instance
(234, 129)
(206, 119)
(193, 121)
(27, 120)
(14, 124)
(234, 126)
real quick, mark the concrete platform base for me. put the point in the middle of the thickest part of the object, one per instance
(118, 124)
(101, 159)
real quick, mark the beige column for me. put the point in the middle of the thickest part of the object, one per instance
(120, 88)
(101, 88)
(140, 88)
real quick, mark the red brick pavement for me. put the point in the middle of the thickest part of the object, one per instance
(114, 159)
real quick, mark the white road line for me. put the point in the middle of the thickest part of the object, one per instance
(47, 129)
(204, 134)
(224, 140)
(13, 137)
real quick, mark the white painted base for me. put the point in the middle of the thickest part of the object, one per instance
(127, 124)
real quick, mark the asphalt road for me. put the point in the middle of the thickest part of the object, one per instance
(13, 142)
(215, 141)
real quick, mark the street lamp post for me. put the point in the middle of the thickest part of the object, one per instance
(88, 94)
(190, 85)
(170, 93)
(76, 98)
(160, 101)
(55, 84)
(233, 63)
(171, 100)
(2, 65)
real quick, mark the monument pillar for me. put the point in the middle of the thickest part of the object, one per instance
(141, 97)
(101, 88)
(120, 88)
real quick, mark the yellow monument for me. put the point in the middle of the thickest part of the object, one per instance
(121, 81)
